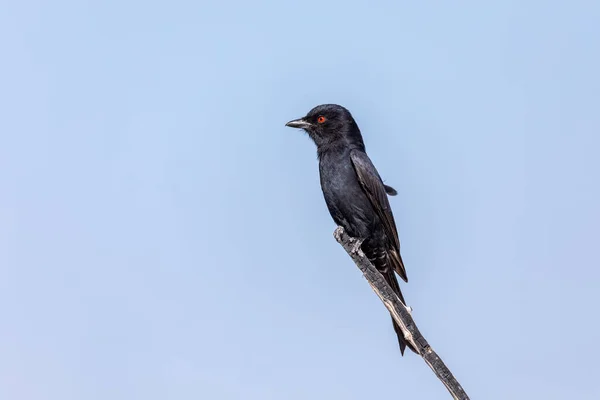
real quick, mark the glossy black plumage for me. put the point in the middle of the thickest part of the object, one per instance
(354, 192)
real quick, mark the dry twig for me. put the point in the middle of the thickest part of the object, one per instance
(401, 314)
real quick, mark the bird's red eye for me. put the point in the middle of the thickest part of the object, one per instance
(321, 119)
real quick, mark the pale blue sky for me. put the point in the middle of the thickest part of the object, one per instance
(164, 236)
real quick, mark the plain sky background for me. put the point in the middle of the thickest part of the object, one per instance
(164, 236)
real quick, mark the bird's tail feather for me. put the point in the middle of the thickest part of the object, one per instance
(390, 277)
(387, 264)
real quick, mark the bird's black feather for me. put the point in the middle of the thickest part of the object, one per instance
(390, 190)
(375, 191)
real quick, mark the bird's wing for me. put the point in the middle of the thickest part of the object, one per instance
(375, 190)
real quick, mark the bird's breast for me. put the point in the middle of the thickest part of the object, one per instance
(345, 199)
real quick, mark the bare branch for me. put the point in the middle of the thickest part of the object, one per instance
(401, 314)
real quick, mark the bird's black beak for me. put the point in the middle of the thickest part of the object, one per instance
(299, 123)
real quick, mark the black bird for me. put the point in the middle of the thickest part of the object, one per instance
(354, 192)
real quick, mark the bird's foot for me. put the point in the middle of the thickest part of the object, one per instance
(356, 243)
(408, 309)
(356, 249)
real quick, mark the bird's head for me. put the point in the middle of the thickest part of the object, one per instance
(329, 123)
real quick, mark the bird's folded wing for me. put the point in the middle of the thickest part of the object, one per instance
(375, 190)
